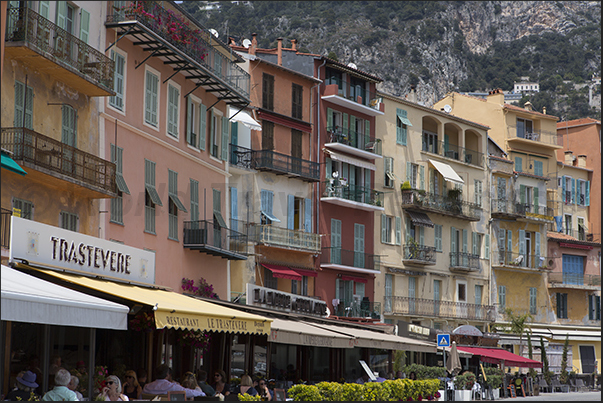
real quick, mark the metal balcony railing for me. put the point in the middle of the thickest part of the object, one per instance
(579, 234)
(524, 209)
(504, 258)
(209, 237)
(354, 93)
(349, 258)
(464, 261)
(441, 204)
(195, 43)
(273, 161)
(288, 238)
(593, 280)
(334, 188)
(58, 45)
(45, 152)
(240, 156)
(358, 309)
(504, 206)
(438, 308)
(349, 137)
(454, 151)
(540, 136)
(420, 254)
(5, 228)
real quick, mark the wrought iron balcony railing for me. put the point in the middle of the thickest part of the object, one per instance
(331, 255)
(5, 228)
(288, 238)
(441, 204)
(241, 156)
(358, 309)
(44, 152)
(504, 207)
(195, 43)
(579, 234)
(209, 237)
(453, 151)
(438, 309)
(349, 137)
(593, 280)
(526, 209)
(504, 258)
(464, 261)
(419, 254)
(49, 40)
(273, 161)
(361, 194)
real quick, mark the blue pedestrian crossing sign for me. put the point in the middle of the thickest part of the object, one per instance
(443, 340)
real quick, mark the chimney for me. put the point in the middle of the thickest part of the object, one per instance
(294, 44)
(569, 158)
(496, 96)
(279, 51)
(544, 110)
(528, 106)
(582, 161)
(412, 95)
(231, 41)
(254, 44)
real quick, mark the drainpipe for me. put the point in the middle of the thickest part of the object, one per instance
(318, 152)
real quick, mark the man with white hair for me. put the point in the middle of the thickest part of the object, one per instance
(73, 384)
(61, 392)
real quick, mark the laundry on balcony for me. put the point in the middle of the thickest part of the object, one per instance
(419, 218)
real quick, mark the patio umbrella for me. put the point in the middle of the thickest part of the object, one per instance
(453, 365)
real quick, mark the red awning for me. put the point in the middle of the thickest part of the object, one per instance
(282, 272)
(356, 279)
(496, 355)
(307, 273)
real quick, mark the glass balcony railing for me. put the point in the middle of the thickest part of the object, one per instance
(332, 255)
(441, 204)
(358, 309)
(438, 308)
(283, 237)
(354, 139)
(464, 261)
(209, 237)
(24, 25)
(419, 254)
(356, 193)
(453, 151)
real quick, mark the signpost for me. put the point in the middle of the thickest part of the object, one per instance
(444, 341)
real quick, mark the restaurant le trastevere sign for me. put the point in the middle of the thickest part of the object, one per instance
(48, 246)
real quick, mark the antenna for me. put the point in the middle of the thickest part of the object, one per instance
(352, 65)
(214, 32)
(246, 43)
(447, 108)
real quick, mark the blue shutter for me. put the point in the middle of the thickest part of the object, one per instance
(290, 211)
(587, 193)
(563, 189)
(234, 209)
(573, 191)
(537, 249)
(398, 230)
(269, 202)
(509, 245)
(263, 200)
(308, 215)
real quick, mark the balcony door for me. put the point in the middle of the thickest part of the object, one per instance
(69, 138)
(461, 299)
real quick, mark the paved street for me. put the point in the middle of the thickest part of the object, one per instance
(571, 396)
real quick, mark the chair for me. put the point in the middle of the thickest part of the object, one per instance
(555, 384)
(581, 386)
(544, 386)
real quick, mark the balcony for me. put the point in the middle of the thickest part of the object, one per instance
(338, 258)
(575, 281)
(518, 136)
(503, 208)
(353, 97)
(42, 45)
(419, 254)
(454, 152)
(512, 259)
(579, 235)
(449, 206)
(358, 309)
(190, 51)
(535, 213)
(60, 165)
(240, 157)
(464, 262)
(353, 196)
(420, 307)
(281, 164)
(284, 238)
(209, 237)
(351, 142)
(5, 228)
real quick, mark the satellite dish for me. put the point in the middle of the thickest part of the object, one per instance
(214, 32)
(352, 65)
(246, 43)
(447, 108)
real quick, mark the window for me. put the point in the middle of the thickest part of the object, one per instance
(268, 92)
(568, 189)
(196, 115)
(524, 128)
(533, 306)
(561, 305)
(267, 135)
(151, 99)
(387, 224)
(411, 174)
(476, 243)
(117, 101)
(430, 142)
(217, 204)
(594, 307)
(438, 237)
(68, 221)
(297, 98)
(461, 292)
(401, 126)
(23, 209)
(23, 106)
(117, 213)
(477, 188)
(151, 196)
(388, 163)
(568, 224)
(269, 280)
(502, 297)
(173, 116)
(194, 200)
(296, 149)
(581, 191)
(518, 164)
(216, 124)
(174, 204)
(479, 290)
(266, 202)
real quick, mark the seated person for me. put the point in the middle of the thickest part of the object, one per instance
(246, 386)
(164, 384)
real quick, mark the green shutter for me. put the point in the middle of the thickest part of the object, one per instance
(465, 247)
(587, 197)
(408, 171)
(19, 104)
(474, 243)
(487, 247)
(522, 245)
(189, 120)
(84, 25)
(225, 138)
(367, 133)
(61, 14)
(522, 195)
(398, 230)
(573, 191)
(329, 119)
(536, 203)
(422, 177)
(383, 228)
(202, 126)
(421, 235)
(345, 124)
(44, 7)
(518, 164)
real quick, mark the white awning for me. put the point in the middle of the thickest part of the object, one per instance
(304, 334)
(576, 335)
(447, 172)
(351, 160)
(29, 299)
(243, 117)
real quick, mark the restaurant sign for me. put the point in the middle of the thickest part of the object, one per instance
(54, 247)
(284, 301)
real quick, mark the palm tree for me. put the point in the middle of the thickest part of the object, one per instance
(518, 323)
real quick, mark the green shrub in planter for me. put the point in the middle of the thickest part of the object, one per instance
(375, 392)
(398, 388)
(352, 392)
(405, 185)
(304, 393)
(465, 381)
(331, 391)
(246, 397)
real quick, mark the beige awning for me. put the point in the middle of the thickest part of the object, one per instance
(447, 172)
(304, 334)
(350, 160)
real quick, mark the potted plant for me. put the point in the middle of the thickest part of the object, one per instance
(463, 384)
